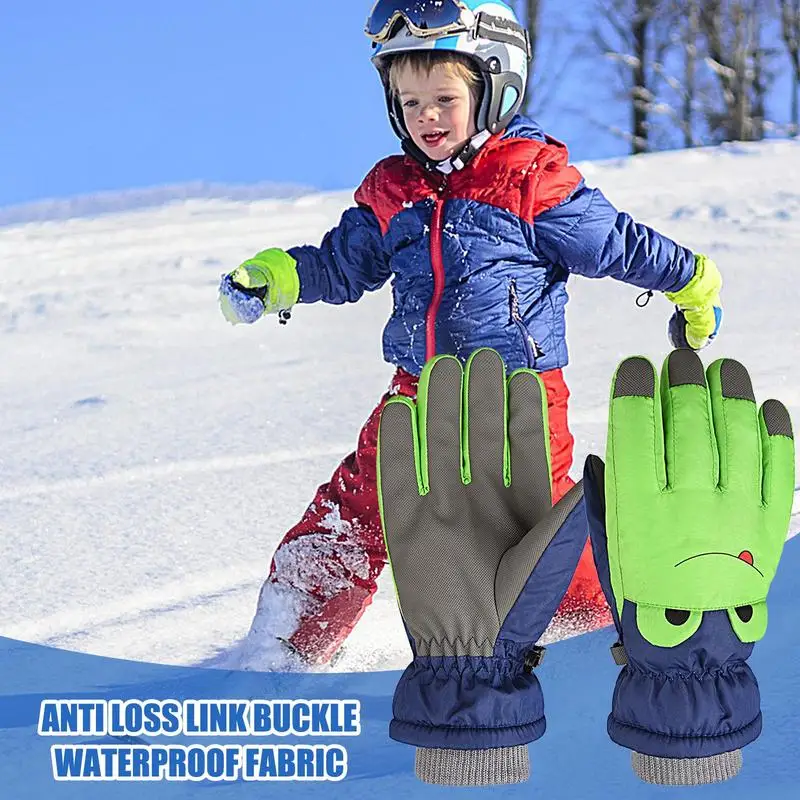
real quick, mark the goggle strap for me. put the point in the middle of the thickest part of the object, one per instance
(499, 29)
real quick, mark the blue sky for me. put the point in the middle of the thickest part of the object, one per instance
(112, 94)
(107, 95)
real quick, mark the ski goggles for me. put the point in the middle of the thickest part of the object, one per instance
(422, 17)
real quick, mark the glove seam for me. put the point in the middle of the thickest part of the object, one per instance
(737, 601)
(493, 667)
(472, 728)
(452, 645)
(704, 736)
(684, 675)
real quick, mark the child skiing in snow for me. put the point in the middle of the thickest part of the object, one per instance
(478, 225)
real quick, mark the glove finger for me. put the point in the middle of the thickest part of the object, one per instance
(635, 449)
(594, 487)
(534, 574)
(689, 442)
(485, 417)
(736, 427)
(227, 310)
(777, 455)
(529, 446)
(702, 325)
(439, 408)
(399, 479)
(250, 276)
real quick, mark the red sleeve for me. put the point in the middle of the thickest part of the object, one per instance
(557, 181)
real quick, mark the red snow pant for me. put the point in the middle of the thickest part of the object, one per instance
(335, 553)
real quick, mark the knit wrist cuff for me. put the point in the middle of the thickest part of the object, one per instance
(473, 767)
(687, 771)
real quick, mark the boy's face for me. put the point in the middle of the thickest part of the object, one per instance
(439, 111)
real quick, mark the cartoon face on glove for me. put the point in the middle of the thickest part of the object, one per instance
(698, 491)
(698, 569)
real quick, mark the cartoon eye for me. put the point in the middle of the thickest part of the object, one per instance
(745, 613)
(676, 617)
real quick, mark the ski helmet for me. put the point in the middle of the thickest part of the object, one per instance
(487, 31)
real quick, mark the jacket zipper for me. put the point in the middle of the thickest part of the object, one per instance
(533, 350)
(437, 265)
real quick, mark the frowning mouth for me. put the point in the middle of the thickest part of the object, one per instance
(746, 556)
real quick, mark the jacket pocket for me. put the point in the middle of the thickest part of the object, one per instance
(533, 350)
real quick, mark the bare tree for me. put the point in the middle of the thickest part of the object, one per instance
(557, 46)
(677, 68)
(790, 29)
(690, 33)
(532, 9)
(628, 32)
(739, 60)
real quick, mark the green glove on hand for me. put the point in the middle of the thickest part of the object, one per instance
(698, 316)
(265, 284)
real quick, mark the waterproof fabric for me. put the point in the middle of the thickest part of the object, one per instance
(688, 519)
(480, 556)
(481, 257)
(694, 700)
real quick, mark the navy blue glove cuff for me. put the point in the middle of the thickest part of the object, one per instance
(685, 715)
(694, 700)
(456, 702)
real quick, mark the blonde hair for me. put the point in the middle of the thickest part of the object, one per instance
(456, 65)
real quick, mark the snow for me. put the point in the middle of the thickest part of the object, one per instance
(153, 455)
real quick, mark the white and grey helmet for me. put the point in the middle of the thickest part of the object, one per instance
(487, 31)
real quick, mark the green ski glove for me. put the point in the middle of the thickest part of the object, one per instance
(481, 560)
(698, 316)
(265, 284)
(688, 521)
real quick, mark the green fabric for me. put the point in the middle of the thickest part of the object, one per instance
(275, 270)
(697, 300)
(419, 421)
(695, 482)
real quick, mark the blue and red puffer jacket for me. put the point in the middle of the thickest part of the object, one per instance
(480, 257)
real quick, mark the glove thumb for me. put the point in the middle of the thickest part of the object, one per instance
(534, 574)
(250, 276)
(594, 488)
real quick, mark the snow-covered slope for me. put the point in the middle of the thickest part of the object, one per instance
(152, 455)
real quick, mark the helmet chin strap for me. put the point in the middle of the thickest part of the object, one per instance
(455, 162)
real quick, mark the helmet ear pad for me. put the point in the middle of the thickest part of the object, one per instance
(503, 97)
(396, 113)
